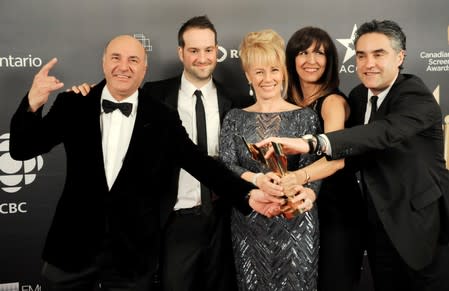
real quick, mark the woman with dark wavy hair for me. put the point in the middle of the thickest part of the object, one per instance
(312, 65)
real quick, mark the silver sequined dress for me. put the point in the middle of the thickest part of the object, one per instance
(271, 254)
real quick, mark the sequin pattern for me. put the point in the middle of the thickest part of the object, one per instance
(271, 254)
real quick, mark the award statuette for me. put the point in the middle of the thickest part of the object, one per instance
(277, 163)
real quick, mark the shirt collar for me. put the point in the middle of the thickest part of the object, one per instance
(381, 96)
(189, 88)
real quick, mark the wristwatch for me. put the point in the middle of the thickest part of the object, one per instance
(317, 144)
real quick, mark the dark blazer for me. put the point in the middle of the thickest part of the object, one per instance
(167, 91)
(401, 156)
(123, 222)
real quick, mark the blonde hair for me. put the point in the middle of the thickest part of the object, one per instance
(265, 47)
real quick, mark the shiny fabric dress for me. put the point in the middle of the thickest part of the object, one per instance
(271, 253)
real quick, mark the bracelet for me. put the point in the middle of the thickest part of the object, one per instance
(318, 146)
(255, 176)
(310, 141)
(322, 145)
(311, 145)
(307, 177)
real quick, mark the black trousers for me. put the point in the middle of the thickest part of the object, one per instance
(93, 279)
(341, 248)
(388, 269)
(197, 251)
(340, 210)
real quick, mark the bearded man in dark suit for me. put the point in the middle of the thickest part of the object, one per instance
(197, 253)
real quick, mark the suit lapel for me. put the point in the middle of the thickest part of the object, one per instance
(172, 94)
(141, 123)
(223, 102)
(94, 126)
(382, 110)
(358, 106)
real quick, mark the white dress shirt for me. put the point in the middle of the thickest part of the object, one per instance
(189, 188)
(116, 131)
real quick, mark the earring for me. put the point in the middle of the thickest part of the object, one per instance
(251, 93)
(282, 93)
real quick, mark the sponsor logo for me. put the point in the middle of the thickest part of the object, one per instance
(437, 61)
(348, 43)
(15, 174)
(144, 40)
(11, 61)
(9, 286)
(224, 54)
(436, 93)
(15, 286)
(13, 208)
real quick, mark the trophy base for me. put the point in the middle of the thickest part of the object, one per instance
(292, 214)
(289, 210)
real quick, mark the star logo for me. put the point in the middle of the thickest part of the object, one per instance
(436, 93)
(348, 43)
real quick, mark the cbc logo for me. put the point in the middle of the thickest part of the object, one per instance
(13, 208)
(15, 174)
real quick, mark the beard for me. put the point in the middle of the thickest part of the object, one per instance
(200, 74)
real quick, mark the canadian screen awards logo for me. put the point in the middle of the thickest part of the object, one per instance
(348, 43)
(15, 174)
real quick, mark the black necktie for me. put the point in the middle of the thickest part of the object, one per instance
(373, 101)
(109, 106)
(201, 136)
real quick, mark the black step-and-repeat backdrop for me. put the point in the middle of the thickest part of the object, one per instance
(32, 32)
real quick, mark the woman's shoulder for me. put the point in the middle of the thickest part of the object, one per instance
(304, 113)
(235, 114)
(333, 98)
(335, 94)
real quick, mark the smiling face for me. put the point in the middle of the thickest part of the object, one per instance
(311, 64)
(377, 61)
(199, 55)
(124, 66)
(266, 80)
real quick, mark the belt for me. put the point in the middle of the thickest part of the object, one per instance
(189, 211)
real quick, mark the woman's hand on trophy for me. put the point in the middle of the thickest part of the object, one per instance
(269, 183)
(304, 199)
(289, 183)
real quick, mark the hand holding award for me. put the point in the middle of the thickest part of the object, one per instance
(277, 162)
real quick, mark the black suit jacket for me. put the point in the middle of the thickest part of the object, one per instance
(123, 222)
(167, 91)
(401, 156)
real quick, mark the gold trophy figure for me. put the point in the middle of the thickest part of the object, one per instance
(277, 163)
